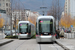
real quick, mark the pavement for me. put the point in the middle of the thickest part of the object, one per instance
(30, 44)
(5, 41)
(2, 35)
(67, 44)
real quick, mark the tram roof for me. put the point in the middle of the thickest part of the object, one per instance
(24, 22)
(40, 17)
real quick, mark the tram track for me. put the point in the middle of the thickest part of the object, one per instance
(54, 46)
(30, 45)
(40, 46)
(19, 45)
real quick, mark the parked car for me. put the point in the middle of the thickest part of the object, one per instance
(8, 32)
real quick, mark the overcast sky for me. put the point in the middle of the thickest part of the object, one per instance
(36, 4)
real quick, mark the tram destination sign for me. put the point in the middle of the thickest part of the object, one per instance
(45, 22)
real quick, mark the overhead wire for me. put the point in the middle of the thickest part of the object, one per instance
(22, 4)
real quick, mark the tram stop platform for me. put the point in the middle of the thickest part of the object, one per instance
(67, 44)
(5, 41)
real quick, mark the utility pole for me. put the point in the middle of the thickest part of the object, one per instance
(58, 14)
(43, 10)
(27, 17)
(15, 24)
(11, 16)
(27, 14)
(19, 15)
(43, 13)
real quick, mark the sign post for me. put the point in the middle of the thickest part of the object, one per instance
(71, 30)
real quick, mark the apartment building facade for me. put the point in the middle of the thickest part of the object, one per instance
(5, 5)
(70, 7)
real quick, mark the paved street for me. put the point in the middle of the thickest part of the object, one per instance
(29, 44)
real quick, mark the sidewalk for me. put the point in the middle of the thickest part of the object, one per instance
(67, 43)
(5, 41)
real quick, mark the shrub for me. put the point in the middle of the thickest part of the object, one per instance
(34, 36)
(12, 37)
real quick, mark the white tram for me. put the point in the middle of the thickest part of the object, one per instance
(45, 29)
(25, 29)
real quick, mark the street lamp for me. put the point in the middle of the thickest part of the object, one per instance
(58, 14)
(27, 13)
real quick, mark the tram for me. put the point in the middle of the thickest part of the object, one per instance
(45, 29)
(25, 29)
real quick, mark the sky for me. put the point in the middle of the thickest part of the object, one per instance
(34, 5)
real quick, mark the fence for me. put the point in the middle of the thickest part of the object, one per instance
(69, 35)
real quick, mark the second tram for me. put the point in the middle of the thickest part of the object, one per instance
(25, 29)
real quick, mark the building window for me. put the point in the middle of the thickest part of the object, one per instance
(6, 4)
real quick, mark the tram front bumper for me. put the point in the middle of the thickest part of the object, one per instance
(23, 36)
(44, 39)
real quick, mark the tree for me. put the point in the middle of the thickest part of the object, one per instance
(1, 22)
(55, 10)
(16, 24)
(66, 21)
(32, 18)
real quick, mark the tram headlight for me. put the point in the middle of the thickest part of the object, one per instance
(41, 34)
(19, 33)
(49, 34)
(27, 33)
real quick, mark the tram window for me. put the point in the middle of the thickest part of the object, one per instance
(51, 26)
(54, 27)
(44, 26)
(29, 29)
(23, 27)
(36, 29)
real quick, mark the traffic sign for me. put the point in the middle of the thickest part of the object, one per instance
(71, 25)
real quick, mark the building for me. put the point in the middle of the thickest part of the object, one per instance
(5, 5)
(20, 14)
(70, 7)
(67, 6)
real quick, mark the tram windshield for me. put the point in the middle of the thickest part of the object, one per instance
(46, 26)
(23, 27)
